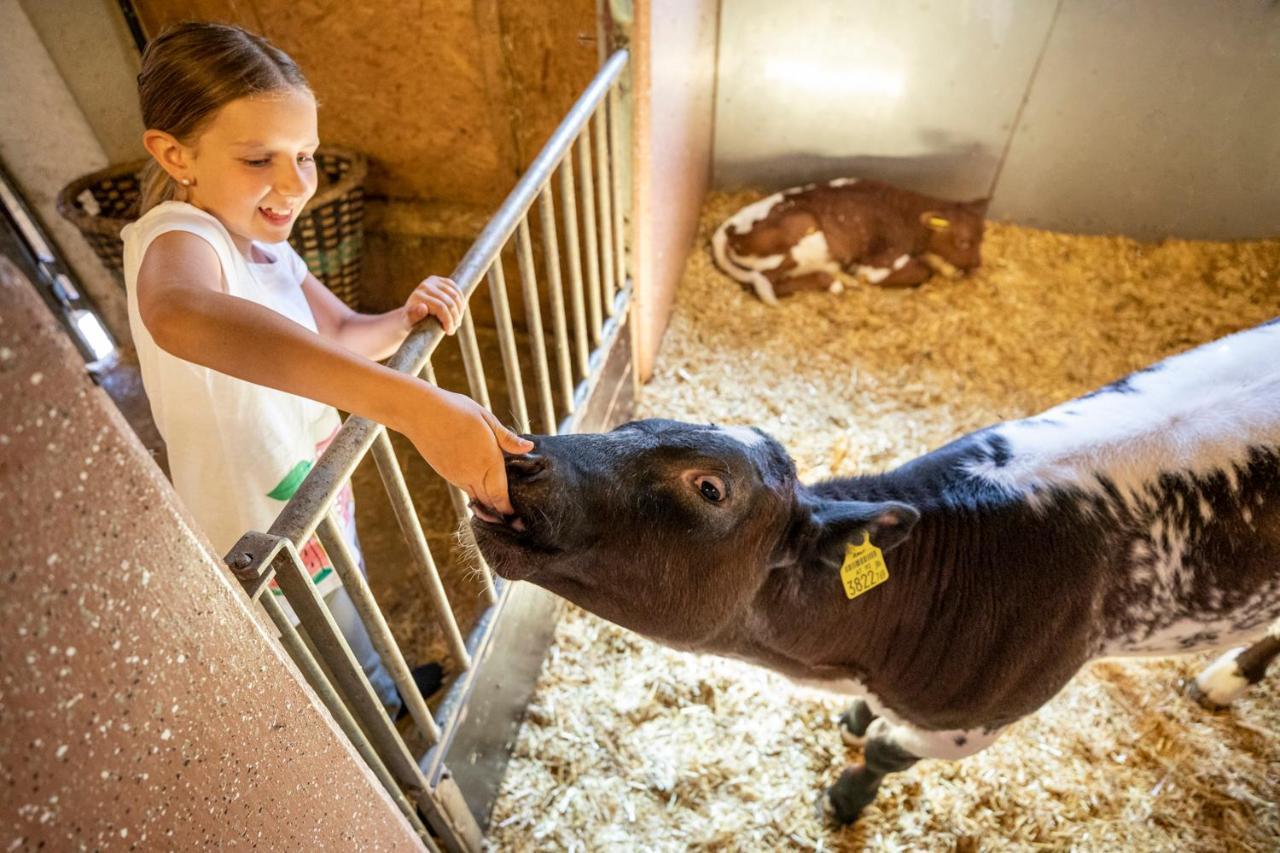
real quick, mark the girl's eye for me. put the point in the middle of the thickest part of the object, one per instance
(306, 158)
(262, 162)
(711, 488)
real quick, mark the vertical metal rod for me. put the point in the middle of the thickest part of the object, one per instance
(332, 647)
(379, 632)
(583, 144)
(570, 208)
(393, 478)
(619, 155)
(507, 342)
(533, 315)
(555, 293)
(471, 360)
(319, 682)
(459, 499)
(606, 214)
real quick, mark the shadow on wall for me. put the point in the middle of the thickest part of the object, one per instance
(952, 169)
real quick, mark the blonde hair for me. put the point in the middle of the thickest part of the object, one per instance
(192, 70)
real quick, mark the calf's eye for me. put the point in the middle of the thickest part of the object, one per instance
(711, 488)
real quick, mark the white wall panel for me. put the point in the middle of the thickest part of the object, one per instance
(922, 94)
(1152, 118)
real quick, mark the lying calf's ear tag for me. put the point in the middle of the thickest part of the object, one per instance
(863, 567)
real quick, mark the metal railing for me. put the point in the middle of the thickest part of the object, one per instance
(583, 328)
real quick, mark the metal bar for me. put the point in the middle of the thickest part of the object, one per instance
(593, 245)
(471, 360)
(332, 648)
(459, 499)
(615, 143)
(374, 622)
(570, 209)
(507, 343)
(455, 699)
(393, 479)
(319, 682)
(533, 316)
(253, 561)
(555, 293)
(622, 305)
(603, 186)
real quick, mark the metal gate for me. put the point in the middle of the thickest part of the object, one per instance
(588, 357)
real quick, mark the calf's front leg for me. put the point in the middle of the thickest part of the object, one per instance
(891, 748)
(857, 786)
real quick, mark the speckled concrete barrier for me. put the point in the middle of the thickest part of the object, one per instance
(141, 704)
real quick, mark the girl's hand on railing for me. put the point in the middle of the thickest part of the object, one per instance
(438, 297)
(464, 443)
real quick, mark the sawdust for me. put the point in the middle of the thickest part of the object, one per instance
(628, 745)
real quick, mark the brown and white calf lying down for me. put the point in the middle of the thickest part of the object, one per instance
(806, 238)
(1141, 519)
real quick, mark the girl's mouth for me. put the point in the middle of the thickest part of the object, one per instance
(276, 217)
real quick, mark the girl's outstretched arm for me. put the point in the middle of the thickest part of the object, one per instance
(183, 307)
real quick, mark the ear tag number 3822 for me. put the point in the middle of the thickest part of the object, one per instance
(863, 567)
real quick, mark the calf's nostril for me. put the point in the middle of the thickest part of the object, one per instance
(525, 467)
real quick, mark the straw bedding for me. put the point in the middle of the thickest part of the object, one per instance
(628, 745)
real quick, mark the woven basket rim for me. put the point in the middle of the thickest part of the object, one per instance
(90, 223)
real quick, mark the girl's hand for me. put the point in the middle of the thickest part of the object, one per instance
(438, 297)
(464, 443)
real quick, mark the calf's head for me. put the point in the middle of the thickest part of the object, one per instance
(956, 232)
(670, 529)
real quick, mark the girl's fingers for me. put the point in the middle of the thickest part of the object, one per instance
(507, 440)
(441, 310)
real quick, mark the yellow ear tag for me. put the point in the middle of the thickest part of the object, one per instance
(863, 567)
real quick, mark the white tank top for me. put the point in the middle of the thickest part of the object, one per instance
(237, 451)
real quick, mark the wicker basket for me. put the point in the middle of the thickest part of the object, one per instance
(329, 234)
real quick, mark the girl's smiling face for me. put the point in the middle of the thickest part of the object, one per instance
(252, 165)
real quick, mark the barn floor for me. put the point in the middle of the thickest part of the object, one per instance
(628, 745)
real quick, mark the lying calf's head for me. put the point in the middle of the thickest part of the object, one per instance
(668, 528)
(956, 232)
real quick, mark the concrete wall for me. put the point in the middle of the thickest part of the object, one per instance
(142, 706)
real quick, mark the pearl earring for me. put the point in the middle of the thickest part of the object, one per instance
(186, 182)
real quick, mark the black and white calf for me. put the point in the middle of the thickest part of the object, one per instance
(1142, 519)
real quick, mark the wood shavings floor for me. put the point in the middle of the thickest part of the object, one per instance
(628, 745)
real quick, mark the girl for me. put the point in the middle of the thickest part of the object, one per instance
(244, 354)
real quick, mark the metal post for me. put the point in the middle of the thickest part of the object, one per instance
(570, 207)
(603, 188)
(393, 479)
(555, 293)
(583, 144)
(619, 237)
(374, 622)
(507, 342)
(471, 359)
(332, 647)
(533, 315)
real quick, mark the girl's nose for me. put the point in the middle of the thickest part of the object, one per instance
(292, 181)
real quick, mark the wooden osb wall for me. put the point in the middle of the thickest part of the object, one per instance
(451, 100)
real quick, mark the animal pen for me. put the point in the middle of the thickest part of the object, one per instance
(1111, 245)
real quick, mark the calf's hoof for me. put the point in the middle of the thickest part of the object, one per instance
(854, 722)
(842, 803)
(1219, 684)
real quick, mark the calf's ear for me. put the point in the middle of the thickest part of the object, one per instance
(887, 522)
(825, 527)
